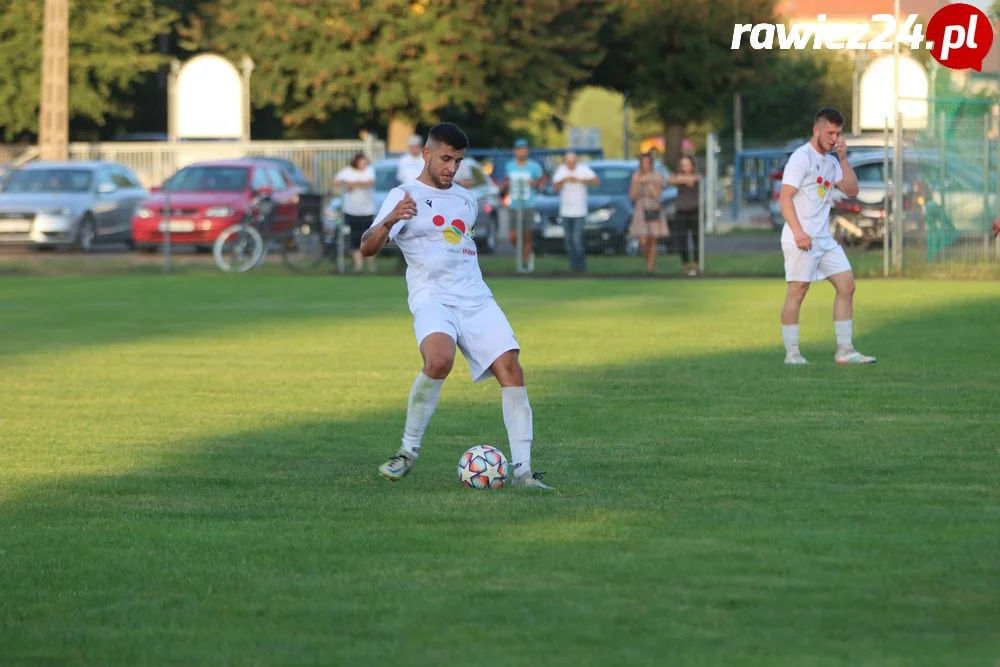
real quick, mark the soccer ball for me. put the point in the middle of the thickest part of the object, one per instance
(483, 467)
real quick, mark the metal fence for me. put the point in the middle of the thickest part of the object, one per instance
(154, 162)
(948, 185)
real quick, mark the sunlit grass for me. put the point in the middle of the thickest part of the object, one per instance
(188, 478)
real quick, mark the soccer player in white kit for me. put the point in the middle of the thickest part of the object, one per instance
(431, 219)
(811, 252)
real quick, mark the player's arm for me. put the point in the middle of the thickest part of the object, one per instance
(848, 183)
(795, 172)
(398, 208)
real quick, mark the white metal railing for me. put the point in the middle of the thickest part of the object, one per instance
(153, 162)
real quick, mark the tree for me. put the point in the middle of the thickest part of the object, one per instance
(384, 58)
(780, 101)
(677, 57)
(111, 47)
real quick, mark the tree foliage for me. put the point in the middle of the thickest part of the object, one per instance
(389, 57)
(677, 58)
(111, 46)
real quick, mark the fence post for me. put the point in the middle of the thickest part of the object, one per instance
(712, 184)
(885, 223)
(897, 193)
(702, 199)
(165, 221)
(986, 182)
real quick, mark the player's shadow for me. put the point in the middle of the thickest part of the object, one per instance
(278, 538)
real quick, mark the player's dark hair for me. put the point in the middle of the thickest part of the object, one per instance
(450, 134)
(830, 115)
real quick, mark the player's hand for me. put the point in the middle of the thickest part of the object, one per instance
(996, 227)
(803, 240)
(841, 149)
(405, 209)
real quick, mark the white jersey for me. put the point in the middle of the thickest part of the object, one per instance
(815, 175)
(441, 257)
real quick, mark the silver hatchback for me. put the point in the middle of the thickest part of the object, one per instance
(69, 204)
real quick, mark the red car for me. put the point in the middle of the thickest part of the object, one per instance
(207, 197)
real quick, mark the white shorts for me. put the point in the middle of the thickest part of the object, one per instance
(825, 259)
(481, 332)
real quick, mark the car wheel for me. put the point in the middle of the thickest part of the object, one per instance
(86, 235)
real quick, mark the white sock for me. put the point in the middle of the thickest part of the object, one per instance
(843, 329)
(790, 333)
(423, 400)
(517, 419)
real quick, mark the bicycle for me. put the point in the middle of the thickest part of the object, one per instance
(311, 244)
(242, 246)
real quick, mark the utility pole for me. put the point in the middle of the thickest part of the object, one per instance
(53, 122)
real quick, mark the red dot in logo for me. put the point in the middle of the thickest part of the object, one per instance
(438, 220)
(959, 36)
(826, 184)
(458, 226)
(819, 179)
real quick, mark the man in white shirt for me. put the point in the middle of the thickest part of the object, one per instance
(571, 180)
(411, 165)
(431, 220)
(811, 252)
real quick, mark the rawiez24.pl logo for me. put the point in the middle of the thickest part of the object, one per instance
(958, 36)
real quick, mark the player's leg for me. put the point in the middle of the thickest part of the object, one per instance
(517, 418)
(488, 343)
(800, 269)
(843, 316)
(436, 330)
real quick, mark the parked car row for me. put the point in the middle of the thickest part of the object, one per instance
(78, 204)
(606, 229)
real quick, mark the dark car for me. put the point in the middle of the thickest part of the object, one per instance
(479, 184)
(310, 198)
(606, 228)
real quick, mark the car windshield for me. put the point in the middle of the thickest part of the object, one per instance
(614, 180)
(26, 181)
(209, 179)
(385, 178)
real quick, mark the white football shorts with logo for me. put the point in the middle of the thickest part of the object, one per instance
(481, 332)
(825, 259)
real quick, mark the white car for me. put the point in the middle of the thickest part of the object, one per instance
(69, 204)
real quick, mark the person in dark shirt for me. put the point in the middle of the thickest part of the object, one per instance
(688, 204)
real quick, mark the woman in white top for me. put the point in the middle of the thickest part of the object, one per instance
(358, 184)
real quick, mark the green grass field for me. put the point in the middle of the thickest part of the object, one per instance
(188, 478)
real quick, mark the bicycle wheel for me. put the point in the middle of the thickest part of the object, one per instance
(304, 250)
(239, 248)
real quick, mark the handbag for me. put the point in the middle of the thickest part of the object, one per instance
(651, 215)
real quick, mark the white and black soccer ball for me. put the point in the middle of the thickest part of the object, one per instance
(483, 467)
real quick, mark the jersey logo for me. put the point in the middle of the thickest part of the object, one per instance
(454, 232)
(429, 203)
(822, 187)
